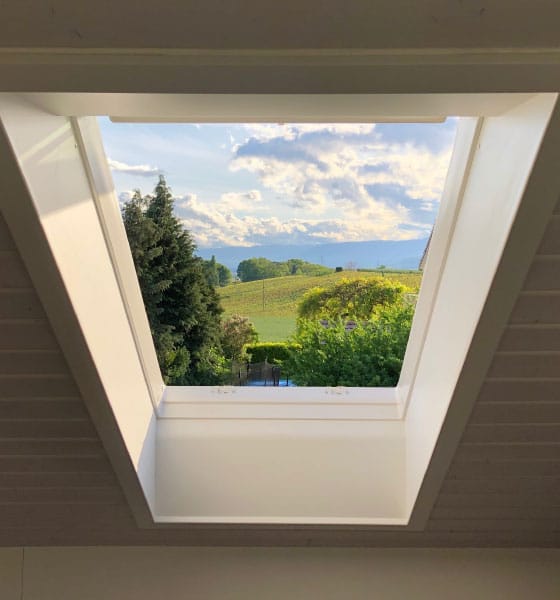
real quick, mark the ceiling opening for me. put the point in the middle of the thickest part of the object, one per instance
(227, 455)
(321, 231)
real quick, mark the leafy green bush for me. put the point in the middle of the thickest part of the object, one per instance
(369, 355)
(273, 352)
(236, 332)
(356, 297)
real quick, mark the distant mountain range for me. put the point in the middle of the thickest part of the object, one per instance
(363, 255)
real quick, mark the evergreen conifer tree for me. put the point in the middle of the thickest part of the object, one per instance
(224, 275)
(182, 307)
(216, 273)
(142, 239)
(211, 271)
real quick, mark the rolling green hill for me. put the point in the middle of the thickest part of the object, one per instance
(271, 304)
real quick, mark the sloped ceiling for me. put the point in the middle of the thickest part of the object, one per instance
(57, 484)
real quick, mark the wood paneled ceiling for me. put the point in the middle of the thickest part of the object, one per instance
(57, 484)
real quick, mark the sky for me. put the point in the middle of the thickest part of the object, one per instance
(261, 184)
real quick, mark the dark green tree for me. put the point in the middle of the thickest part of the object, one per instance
(182, 307)
(216, 273)
(224, 275)
(211, 271)
(143, 241)
(254, 269)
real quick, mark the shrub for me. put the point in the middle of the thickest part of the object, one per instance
(356, 297)
(273, 352)
(236, 332)
(369, 355)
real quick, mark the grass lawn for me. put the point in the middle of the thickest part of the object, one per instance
(273, 329)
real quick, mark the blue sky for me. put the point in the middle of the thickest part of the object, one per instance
(256, 184)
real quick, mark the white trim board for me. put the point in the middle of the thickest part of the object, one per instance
(285, 108)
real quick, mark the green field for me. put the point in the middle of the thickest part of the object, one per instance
(271, 304)
(274, 329)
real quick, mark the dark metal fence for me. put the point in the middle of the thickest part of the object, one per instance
(262, 373)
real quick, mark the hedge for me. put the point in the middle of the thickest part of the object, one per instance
(273, 352)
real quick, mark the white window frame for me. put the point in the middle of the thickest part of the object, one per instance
(174, 444)
(225, 402)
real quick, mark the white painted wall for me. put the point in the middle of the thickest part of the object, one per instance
(278, 574)
(280, 471)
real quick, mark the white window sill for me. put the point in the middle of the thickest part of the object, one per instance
(229, 402)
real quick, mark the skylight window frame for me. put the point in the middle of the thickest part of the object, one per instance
(230, 402)
(36, 136)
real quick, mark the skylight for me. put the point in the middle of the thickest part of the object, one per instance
(298, 455)
(356, 198)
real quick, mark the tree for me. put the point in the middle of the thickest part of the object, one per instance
(142, 239)
(182, 307)
(211, 271)
(295, 266)
(216, 273)
(350, 297)
(255, 269)
(224, 275)
(371, 354)
(352, 334)
(237, 331)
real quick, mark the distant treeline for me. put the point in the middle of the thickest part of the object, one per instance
(382, 269)
(254, 269)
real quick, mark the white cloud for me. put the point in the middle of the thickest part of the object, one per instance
(346, 181)
(290, 131)
(318, 166)
(421, 172)
(241, 201)
(142, 170)
(124, 197)
(213, 227)
(311, 183)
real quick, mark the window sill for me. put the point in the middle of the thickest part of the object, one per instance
(228, 402)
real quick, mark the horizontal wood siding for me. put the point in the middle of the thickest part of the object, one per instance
(505, 477)
(54, 472)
